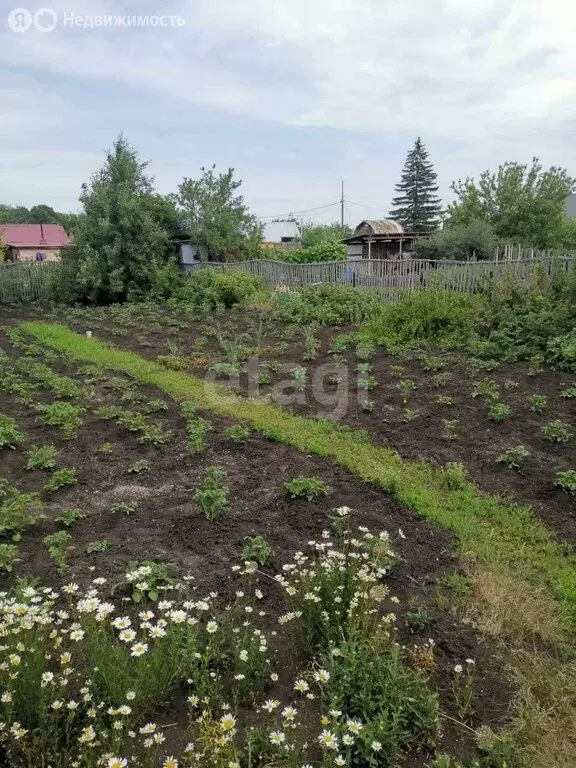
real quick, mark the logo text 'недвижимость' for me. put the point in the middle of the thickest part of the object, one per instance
(47, 20)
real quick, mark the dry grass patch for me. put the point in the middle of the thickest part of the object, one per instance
(528, 626)
(547, 709)
(515, 612)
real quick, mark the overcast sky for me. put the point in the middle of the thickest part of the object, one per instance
(295, 94)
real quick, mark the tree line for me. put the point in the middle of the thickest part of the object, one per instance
(519, 203)
(125, 239)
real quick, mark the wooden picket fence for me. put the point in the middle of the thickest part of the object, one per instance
(32, 281)
(26, 280)
(393, 278)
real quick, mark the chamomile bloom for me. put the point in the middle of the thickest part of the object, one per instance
(88, 735)
(354, 726)
(301, 686)
(227, 722)
(139, 649)
(277, 738)
(127, 635)
(322, 676)
(211, 627)
(122, 622)
(289, 713)
(117, 762)
(170, 762)
(328, 740)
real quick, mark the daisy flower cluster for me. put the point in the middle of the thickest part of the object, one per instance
(79, 673)
(86, 673)
(339, 584)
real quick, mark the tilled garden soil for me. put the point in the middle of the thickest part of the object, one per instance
(477, 443)
(168, 526)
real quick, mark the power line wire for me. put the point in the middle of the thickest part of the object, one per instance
(363, 205)
(297, 213)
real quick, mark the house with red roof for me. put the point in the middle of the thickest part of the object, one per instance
(33, 242)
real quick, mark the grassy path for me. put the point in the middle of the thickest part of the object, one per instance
(504, 537)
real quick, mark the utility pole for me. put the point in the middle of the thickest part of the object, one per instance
(342, 206)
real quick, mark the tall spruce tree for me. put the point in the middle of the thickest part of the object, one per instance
(417, 206)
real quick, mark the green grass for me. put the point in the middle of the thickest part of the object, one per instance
(506, 537)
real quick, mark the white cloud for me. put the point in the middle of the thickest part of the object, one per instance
(351, 64)
(480, 76)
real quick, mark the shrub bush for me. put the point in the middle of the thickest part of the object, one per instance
(518, 322)
(509, 322)
(475, 240)
(326, 305)
(213, 289)
(434, 316)
(312, 254)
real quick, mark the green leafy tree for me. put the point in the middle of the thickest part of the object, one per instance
(43, 214)
(216, 217)
(417, 206)
(119, 241)
(38, 214)
(523, 203)
(14, 214)
(327, 250)
(475, 240)
(2, 249)
(68, 221)
(312, 234)
(565, 237)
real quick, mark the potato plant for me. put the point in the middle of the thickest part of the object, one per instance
(499, 412)
(212, 496)
(538, 403)
(41, 457)
(58, 545)
(238, 433)
(66, 416)
(10, 434)
(308, 488)
(61, 478)
(256, 549)
(514, 457)
(557, 431)
(71, 515)
(566, 481)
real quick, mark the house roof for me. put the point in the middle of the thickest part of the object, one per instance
(274, 231)
(34, 235)
(379, 227)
